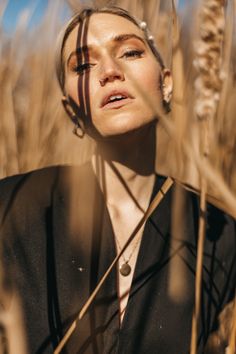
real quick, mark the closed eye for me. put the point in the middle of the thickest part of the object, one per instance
(133, 54)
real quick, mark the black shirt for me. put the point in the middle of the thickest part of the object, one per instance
(58, 242)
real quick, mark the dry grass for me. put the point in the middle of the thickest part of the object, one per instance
(34, 131)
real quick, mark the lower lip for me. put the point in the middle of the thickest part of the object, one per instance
(117, 104)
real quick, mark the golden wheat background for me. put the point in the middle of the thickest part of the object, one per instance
(35, 132)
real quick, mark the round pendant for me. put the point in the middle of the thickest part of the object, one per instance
(125, 269)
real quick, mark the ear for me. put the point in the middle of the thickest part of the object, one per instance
(69, 110)
(167, 86)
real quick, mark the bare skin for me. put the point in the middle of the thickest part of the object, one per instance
(126, 203)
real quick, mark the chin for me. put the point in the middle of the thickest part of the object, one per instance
(126, 131)
(123, 125)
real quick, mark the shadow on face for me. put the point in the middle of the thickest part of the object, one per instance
(108, 64)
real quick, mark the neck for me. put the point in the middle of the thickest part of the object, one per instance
(128, 167)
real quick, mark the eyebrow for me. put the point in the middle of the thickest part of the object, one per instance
(78, 52)
(117, 39)
(125, 37)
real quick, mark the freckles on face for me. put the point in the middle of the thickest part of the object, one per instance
(118, 63)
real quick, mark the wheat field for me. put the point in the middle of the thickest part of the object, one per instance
(35, 131)
(196, 141)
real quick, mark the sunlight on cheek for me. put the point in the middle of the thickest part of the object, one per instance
(72, 88)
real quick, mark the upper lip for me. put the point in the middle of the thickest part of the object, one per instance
(116, 92)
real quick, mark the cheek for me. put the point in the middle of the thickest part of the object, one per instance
(71, 87)
(73, 90)
(149, 80)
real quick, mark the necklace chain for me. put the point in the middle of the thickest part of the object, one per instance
(125, 268)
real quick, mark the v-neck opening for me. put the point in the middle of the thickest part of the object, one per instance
(156, 187)
(158, 182)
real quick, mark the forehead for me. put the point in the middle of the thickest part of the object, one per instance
(102, 28)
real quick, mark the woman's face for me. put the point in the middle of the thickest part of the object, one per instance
(118, 56)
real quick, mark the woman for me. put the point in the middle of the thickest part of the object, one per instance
(63, 226)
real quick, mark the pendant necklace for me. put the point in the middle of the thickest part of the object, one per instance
(125, 268)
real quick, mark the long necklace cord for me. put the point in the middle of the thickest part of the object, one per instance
(156, 201)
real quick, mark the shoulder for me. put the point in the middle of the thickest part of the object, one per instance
(34, 188)
(30, 184)
(185, 204)
(217, 219)
(39, 181)
(12, 182)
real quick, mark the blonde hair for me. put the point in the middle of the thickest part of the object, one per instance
(79, 18)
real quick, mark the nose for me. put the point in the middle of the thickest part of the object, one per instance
(110, 71)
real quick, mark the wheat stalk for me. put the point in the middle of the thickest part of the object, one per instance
(208, 88)
(154, 204)
(34, 130)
